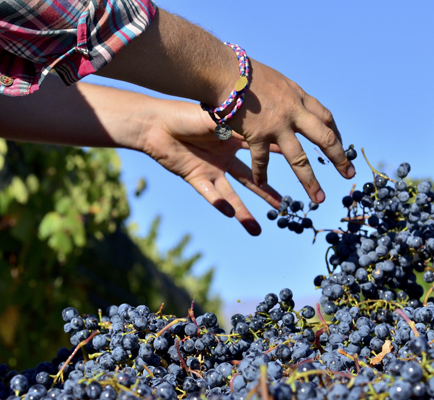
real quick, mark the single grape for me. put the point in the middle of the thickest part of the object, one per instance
(272, 215)
(19, 383)
(351, 153)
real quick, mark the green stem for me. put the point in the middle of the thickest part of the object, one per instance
(374, 170)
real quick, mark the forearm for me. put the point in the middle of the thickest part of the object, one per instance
(176, 57)
(82, 115)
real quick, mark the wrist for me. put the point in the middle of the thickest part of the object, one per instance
(223, 83)
(148, 118)
(236, 98)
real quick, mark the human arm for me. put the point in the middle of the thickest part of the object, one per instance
(176, 134)
(176, 57)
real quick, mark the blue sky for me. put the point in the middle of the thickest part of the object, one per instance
(371, 63)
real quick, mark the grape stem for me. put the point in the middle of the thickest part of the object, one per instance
(252, 392)
(181, 360)
(231, 383)
(270, 349)
(355, 219)
(148, 370)
(263, 382)
(374, 170)
(325, 230)
(318, 310)
(330, 230)
(79, 346)
(160, 311)
(316, 342)
(317, 372)
(191, 315)
(184, 365)
(174, 322)
(125, 388)
(356, 362)
(429, 291)
(327, 261)
(100, 317)
(409, 322)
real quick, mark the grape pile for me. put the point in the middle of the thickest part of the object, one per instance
(370, 337)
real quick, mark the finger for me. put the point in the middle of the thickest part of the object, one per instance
(323, 113)
(260, 153)
(311, 127)
(243, 174)
(239, 137)
(242, 214)
(244, 145)
(297, 159)
(274, 148)
(207, 189)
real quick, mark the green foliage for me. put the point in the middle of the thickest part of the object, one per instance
(175, 264)
(52, 201)
(63, 243)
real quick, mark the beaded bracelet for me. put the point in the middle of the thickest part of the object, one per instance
(222, 130)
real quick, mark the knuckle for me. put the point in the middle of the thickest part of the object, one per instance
(295, 108)
(295, 87)
(260, 158)
(261, 163)
(294, 100)
(327, 116)
(329, 138)
(342, 163)
(300, 161)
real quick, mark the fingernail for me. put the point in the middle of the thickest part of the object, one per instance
(320, 196)
(350, 171)
(229, 211)
(225, 208)
(253, 227)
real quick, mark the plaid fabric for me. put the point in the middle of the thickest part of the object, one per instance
(75, 37)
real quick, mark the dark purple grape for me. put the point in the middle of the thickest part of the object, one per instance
(272, 215)
(351, 153)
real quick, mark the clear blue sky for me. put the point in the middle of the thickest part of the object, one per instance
(371, 63)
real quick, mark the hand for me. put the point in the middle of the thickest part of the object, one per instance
(274, 109)
(183, 142)
(169, 57)
(179, 135)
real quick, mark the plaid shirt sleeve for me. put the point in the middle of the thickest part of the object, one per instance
(74, 37)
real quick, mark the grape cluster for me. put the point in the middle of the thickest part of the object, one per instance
(131, 353)
(292, 215)
(382, 265)
(371, 335)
